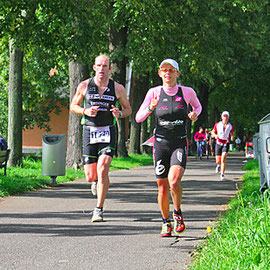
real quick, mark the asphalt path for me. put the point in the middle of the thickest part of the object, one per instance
(52, 229)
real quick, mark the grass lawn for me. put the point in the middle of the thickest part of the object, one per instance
(241, 239)
(20, 180)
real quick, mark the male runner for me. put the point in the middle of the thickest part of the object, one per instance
(222, 131)
(99, 96)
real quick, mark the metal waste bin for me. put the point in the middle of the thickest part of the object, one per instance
(255, 141)
(264, 152)
(53, 155)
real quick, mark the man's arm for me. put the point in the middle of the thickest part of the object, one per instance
(75, 105)
(122, 97)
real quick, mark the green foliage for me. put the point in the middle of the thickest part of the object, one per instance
(224, 44)
(45, 89)
(241, 239)
(3, 89)
(252, 165)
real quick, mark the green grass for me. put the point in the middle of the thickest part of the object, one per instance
(241, 238)
(29, 177)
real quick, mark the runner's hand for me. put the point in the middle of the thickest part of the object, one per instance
(115, 111)
(193, 116)
(92, 111)
(153, 104)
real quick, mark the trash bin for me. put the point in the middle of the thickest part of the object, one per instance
(255, 141)
(53, 155)
(264, 152)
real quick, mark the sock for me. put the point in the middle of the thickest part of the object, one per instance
(166, 220)
(179, 212)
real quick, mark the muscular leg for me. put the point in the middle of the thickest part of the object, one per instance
(176, 173)
(163, 197)
(90, 171)
(103, 167)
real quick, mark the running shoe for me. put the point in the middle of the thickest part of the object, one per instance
(94, 188)
(222, 176)
(97, 215)
(166, 230)
(218, 168)
(179, 225)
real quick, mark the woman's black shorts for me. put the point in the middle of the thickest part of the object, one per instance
(168, 153)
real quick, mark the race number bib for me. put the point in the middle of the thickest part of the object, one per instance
(100, 135)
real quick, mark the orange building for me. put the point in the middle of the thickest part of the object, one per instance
(32, 138)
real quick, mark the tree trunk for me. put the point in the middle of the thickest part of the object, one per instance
(77, 73)
(202, 121)
(15, 106)
(139, 90)
(118, 73)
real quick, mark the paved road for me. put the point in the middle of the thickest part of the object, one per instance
(51, 228)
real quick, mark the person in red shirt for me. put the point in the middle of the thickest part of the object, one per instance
(223, 132)
(199, 137)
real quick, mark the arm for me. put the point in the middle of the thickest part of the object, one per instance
(77, 100)
(214, 132)
(149, 104)
(231, 133)
(195, 104)
(122, 97)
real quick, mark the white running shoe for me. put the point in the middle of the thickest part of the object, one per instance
(97, 215)
(94, 188)
(218, 168)
(222, 176)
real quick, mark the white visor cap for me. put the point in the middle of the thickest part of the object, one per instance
(225, 113)
(171, 62)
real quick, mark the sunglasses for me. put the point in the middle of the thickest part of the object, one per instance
(171, 70)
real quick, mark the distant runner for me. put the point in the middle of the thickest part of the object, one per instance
(223, 132)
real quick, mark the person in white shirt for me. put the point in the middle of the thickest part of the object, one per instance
(223, 132)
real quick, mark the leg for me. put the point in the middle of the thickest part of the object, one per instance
(175, 175)
(103, 167)
(198, 149)
(91, 176)
(223, 162)
(164, 205)
(90, 171)
(218, 159)
(163, 197)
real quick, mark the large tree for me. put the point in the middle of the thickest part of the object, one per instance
(15, 105)
(78, 72)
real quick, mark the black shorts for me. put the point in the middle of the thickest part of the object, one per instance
(220, 148)
(91, 152)
(168, 153)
